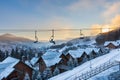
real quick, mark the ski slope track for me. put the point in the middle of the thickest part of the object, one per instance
(72, 74)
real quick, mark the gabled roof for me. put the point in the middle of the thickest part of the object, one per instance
(51, 58)
(76, 53)
(79, 52)
(116, 43)
(96, 49)
(11, 60)
(88, 51)
(7, 66)
(34, 60)
(6, 69)
(63, 49)
(6, 72)
(28, 63)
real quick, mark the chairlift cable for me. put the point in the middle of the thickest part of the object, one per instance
(45, 30)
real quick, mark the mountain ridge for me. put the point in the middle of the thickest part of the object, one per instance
(11, 37)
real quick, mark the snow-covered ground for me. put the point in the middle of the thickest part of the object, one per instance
(71, 74)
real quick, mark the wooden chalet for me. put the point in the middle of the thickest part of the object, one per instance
(83, 58)
(18, 69)
(112, 44)
(79, 54)
(49, 60)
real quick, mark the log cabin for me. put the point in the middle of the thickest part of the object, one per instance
(49, 60)
(112, 44)
(19, 69)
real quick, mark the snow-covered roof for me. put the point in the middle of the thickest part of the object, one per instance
(28, 63)
(6, 72)
(5, 69)
(11, 60)
(96, 49)
(7, 66)
(116, 43)
(64, 48)
(88, 50)
(51, 58)
(34, 60)
(76, 53)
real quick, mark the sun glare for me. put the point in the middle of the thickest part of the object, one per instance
(105, 30)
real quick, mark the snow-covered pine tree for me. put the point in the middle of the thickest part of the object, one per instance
(34, 74)
(47, 73)
(56, 71)
(26, 76)
(39, 76)
(75, 62)
(84, 59)
(70, 63)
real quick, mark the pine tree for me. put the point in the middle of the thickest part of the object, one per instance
(6, 54)
(26, 77)
(56, 71)
(39, 76)
(70, 63)
(75, 62)
(12, 53)
(47, 73)
(2, 55)
(33, 75)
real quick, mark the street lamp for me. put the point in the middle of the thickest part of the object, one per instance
(90, 63)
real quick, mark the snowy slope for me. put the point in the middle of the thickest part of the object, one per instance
(104, 75)
(71, 74)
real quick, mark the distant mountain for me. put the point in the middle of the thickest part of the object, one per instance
(74, 43)
(11, 37)
(108, 36)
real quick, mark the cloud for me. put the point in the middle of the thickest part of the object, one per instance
(59, 23)
(86, 5)
(111, 9)
(80, 5)
(114, 24)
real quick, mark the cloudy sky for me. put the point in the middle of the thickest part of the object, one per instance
(57, 14)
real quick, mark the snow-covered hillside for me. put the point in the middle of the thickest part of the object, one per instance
(72, 74)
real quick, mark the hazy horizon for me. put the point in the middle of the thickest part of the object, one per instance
(62, 14)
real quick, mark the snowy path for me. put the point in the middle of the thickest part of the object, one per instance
(86, 66)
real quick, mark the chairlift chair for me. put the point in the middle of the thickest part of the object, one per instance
(81, 35)
(52, 38)
(36, 38)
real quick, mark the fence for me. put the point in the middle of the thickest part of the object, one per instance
(93, 72)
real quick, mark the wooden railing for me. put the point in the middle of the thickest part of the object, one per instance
(93, 71)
